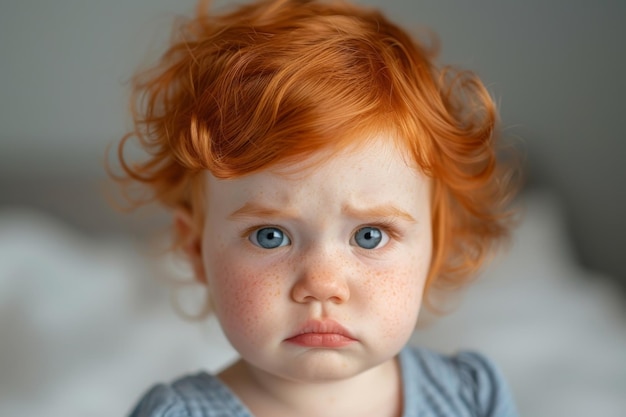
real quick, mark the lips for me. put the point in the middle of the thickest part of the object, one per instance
(321, 334)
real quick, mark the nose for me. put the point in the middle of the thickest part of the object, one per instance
(321, 279)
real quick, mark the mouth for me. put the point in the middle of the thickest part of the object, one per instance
(321, 334)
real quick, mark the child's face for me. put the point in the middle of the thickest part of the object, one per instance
(317, 274)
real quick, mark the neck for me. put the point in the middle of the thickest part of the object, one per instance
(375, 392)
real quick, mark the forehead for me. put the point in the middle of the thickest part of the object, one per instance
(375, 170)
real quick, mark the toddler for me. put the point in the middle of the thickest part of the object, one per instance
(325, 179)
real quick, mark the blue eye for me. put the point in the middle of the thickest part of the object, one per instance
(269, 238)
(370, 237)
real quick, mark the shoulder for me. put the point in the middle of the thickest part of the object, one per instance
(466, 383)
(200, 395)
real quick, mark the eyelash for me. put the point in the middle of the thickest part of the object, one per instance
(248, 230)
(389, 226)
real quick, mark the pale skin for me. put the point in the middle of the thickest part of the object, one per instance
(316, 275)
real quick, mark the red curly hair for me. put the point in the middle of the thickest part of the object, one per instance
(278, 80)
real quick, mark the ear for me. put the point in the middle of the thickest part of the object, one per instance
(190, 240)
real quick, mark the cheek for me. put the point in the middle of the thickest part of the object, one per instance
(243, 296)
(397, 295)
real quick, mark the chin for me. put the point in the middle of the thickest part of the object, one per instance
(321, 365)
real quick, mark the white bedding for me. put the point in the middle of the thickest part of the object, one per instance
(85, 327)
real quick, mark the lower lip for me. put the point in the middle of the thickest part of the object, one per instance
(321, 340)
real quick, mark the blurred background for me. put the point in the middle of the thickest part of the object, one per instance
(84, 325)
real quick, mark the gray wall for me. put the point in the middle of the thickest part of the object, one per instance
(557, 68)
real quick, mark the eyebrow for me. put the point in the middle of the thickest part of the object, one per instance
(253, 209)
(382, 211)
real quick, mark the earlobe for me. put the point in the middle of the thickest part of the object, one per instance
(189, 239)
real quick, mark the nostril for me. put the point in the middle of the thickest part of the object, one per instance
(337, 299)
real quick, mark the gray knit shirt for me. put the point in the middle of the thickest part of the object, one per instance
(434, 385)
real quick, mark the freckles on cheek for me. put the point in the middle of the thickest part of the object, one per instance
(243, 297)
(397, 297)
